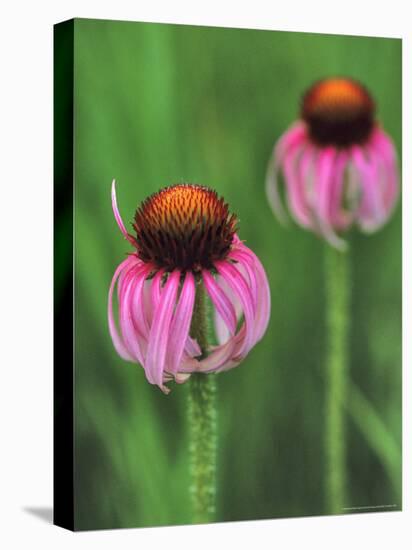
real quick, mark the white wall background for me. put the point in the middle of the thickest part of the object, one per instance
(26, 271)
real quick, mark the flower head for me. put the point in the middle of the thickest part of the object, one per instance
(186, 238)
(338, 164)
(184, 227)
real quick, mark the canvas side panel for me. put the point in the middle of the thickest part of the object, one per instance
(63, 274)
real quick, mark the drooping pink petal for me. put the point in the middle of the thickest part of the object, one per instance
(156, 289)
(381, 141)
(223, 354)
(152, 298)
(217, 358)
(116, 338)
(292, 138)
(164, 388)
(367, 212)
(340, 218)
(272, 189)
(180, 325)
(381, 183)
(192, 348)
(306, 178)
(160, 330)
(181, 378)
(118, 217)
(248, 258)
(221, 302)
(189, 364)
(122, 276)
(142, 309)
(247, 269)
(147, 302)
(124, 280)
(296, 181)
(239, 285)
(295, 135)
(385, 149)
(234, 347)
(371, 211)
(324, 182)
(139, 316)
(221, 330)
(133, 284)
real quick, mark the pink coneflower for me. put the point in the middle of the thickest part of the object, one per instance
(185, 239)
(338, 164)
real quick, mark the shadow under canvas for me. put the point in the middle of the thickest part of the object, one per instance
(45, 513)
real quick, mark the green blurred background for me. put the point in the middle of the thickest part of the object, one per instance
(160, 104)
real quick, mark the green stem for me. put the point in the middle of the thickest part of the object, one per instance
(202, 423)
(337, 278)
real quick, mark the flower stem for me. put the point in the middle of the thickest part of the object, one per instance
(337, 285)
(202, 423)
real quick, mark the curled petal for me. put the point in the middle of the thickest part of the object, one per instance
(182, 377)
(240, 287)
(247, 258)
(192, 348)
(221, 329)
(217, 358)
(245, 290)
(221, 302)
(118, 216)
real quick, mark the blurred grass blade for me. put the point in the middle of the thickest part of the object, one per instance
(377, 435)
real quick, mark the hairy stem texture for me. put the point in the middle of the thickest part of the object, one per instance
(337, 285)
(202, 423)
